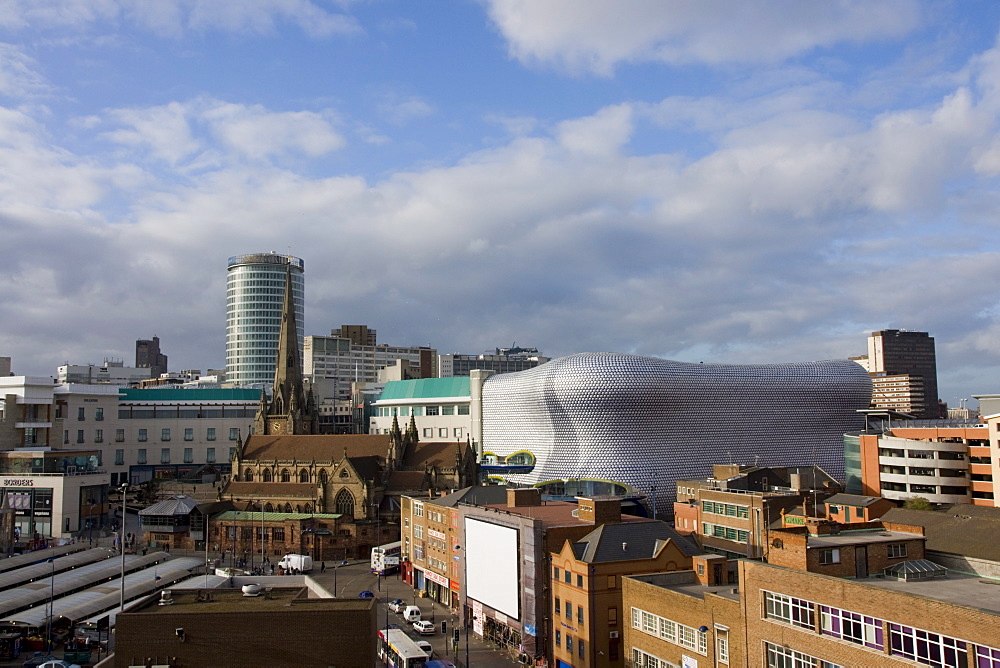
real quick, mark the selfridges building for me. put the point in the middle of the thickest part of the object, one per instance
(596, 423)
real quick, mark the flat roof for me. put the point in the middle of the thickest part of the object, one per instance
(861, 538)
(684, 582)
(971, 591)
(187, 601)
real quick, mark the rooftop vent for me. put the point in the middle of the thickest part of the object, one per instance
(165, 597)
(251, 590)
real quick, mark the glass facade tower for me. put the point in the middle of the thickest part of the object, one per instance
(255, 290)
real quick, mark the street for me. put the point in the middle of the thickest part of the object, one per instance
(356, 577)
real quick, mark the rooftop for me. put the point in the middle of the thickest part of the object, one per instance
(425, 388)
(845, 538)
(187, 601)
(685, 582)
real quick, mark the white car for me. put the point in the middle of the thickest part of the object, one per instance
(424, 627)
(426, 646)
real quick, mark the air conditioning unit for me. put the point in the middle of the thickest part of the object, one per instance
(613, 634)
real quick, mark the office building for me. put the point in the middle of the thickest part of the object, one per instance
(255, 292)
(112, 372)
(148, 356)
(903, 367)
(504, 360)
(624, 423)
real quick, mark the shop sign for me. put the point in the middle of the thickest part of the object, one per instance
(455, 586)
(17, 482)
(477, 618)
(794, 520)
(434, 577)
(437, 534)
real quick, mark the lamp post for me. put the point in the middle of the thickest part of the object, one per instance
(261, 502)
(121, 544)
(378, 538)
(52, 595)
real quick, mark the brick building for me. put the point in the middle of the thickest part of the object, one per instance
(586, 588)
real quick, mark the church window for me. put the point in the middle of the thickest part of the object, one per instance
(308, 508)
(303, 476)
(248, 475)
(288, 507)
(323, 477)
(285, 475)
(268, 508)
(344, 473)
(266, 475)
(344, 503)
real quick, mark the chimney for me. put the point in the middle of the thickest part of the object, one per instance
(522, 497)
(599, 510)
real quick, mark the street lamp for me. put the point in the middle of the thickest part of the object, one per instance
(121, 544)
(378, 538)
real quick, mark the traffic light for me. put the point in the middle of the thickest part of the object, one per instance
(455, 636)
(444, 628)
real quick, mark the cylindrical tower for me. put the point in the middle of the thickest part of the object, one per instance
(255, 289)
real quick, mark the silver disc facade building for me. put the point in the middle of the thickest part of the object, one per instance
(614, 423)
(255, 289)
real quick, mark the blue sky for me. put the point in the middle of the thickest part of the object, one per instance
(702, 181)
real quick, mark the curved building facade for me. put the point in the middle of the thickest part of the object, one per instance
(642, 422)
(255, 289)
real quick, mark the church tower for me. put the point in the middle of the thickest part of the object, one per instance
(291, 410)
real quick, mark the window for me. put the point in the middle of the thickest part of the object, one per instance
(555, 572)
(612, 616)
(787, 609)
(66, 436)
(428, 432)
(669, 630)
(722, 647)
(447, 410)
(558, 638)
(433, 410)
(119, 457)
(234, 433)
(165, 434)
(579, 581)
(926, 647)
(579, 646)
(851, 626)
(569, 611)
(642, 660)
(278, 534)
(119, 435)
(210, 434)
(558, 606)
(99, 414)
(829, 556)
(569, 643)
(579, 613)
(164, 455)
(188, 434)
(142, 435)
(81, 413)
(463, 409)
(611, 582)
(79, 436)
(210, 455)
(457, 432)
(897, 550)
(784, 657)
(140, 456)
(188, 455)
(98, 436)
(442, 432)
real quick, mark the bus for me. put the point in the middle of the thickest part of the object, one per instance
(385, 558)
(398, 650)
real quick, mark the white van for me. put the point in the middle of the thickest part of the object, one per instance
(303, 563)
(411, 613)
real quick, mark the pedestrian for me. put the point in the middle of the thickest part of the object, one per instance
(322, 567)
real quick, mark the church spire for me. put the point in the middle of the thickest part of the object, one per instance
(288, 369)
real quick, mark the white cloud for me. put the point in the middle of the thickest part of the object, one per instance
(596, 35)
(19, 75)
(173, 18)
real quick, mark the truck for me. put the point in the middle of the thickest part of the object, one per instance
(302, 563)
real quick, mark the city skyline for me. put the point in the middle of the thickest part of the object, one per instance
(764, 184)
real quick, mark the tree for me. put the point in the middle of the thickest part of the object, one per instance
(918, 503)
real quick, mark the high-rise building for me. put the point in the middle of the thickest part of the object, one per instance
(148, 356)
(903, 367)
(255, 290)
(504, 360)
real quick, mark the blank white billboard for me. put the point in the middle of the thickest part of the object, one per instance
(491, 566)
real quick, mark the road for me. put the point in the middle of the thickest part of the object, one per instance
(356, 577)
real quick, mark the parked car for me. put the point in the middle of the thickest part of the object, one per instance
(366, 594)
(397, 605)
(423, 627)
(426, 646)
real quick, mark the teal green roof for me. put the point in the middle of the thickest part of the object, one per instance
(426, 388)
(179, 394)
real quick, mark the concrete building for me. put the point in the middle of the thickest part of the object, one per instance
(587, 583)
(440, 408)
(942, 461)
(275, 626)
(148, 356)
(112, 372)
(255, 289)
(903, 366)
(504, 360)
(732, 512)
(641, 422)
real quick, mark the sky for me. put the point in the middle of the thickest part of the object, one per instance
(696, 180)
